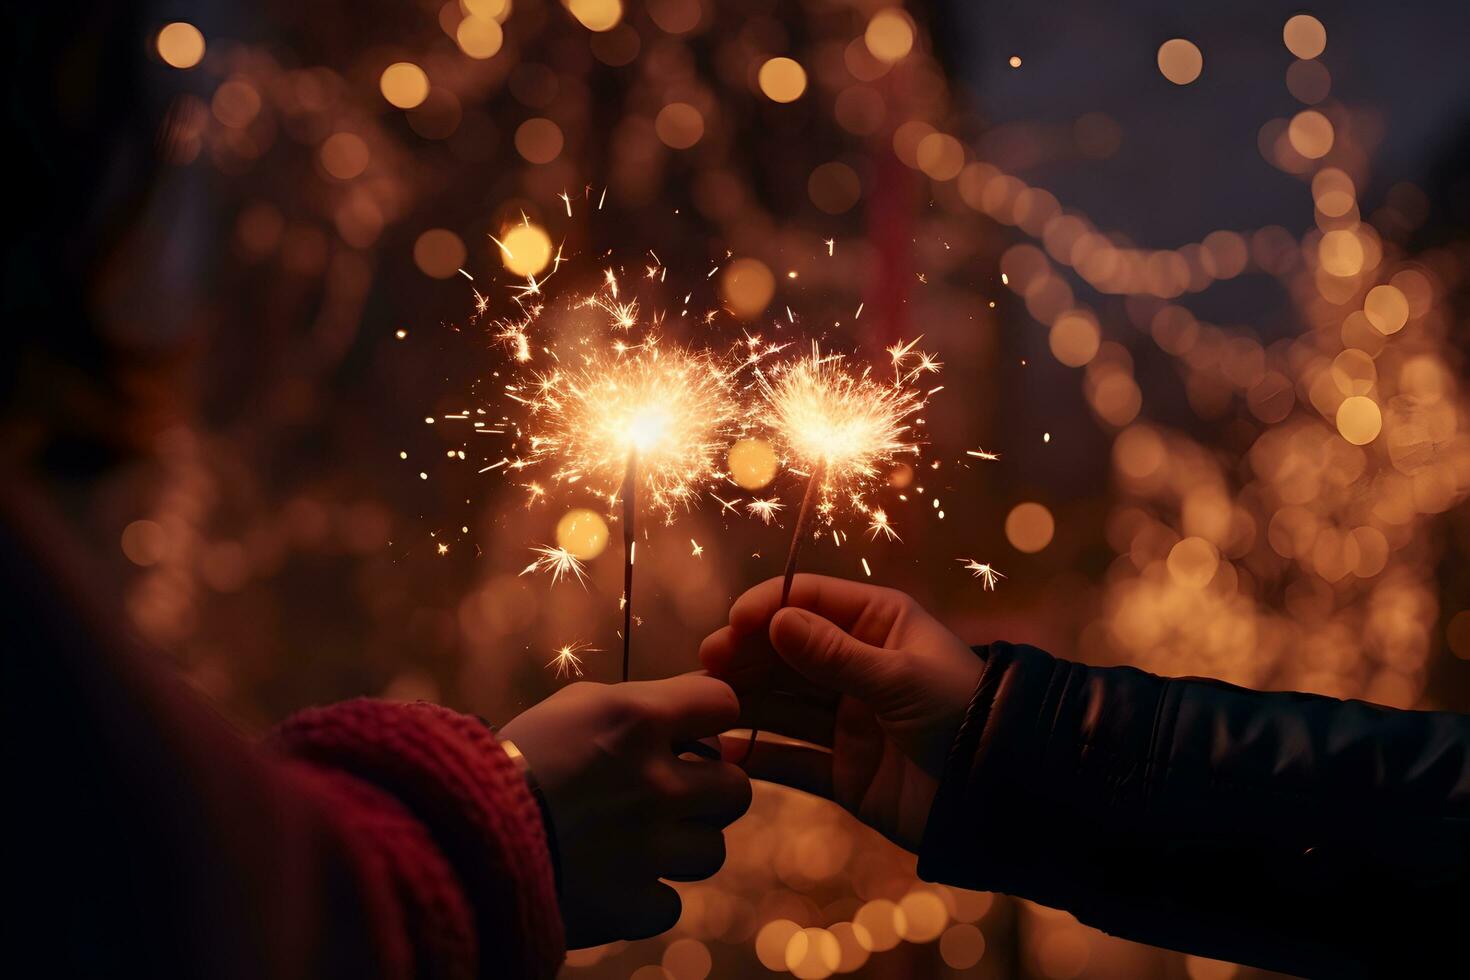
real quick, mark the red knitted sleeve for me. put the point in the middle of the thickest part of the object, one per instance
(448, 843)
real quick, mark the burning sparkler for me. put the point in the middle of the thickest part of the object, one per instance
(639, 420)
(843, 427)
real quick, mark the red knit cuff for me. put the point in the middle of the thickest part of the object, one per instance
(448, 770)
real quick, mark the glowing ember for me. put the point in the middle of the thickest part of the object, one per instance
(568, 659)
(560, 562)
(985, 572)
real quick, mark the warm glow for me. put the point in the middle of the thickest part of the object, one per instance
(345, 155)
(1305, 36)
(1029, 527)
(752, 463)
(782, 80)
(826, 415)
(747, 286)
(673, 408)
(1341, 253)
(1310, 134)
(1180, 61)
(404, 85)
(679, 125)
(439, 253)
(1075, 338)
(180, 45)
(890, 35)
(582, 532)
(596, 15)
(1386, 308)
(525, 249)
(539, 140)
(479, 38)
(1192, 563)
(1359, 420)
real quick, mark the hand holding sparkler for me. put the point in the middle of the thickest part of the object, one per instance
(862, 671)
(624, 810)
(843, 427)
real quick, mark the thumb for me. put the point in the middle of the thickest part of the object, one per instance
(827, 655)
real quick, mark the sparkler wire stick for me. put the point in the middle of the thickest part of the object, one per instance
(803, 530)
(630, 508)
(798, 536)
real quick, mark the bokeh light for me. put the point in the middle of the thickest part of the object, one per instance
(782, 79)
(180, 45)
(1304, 36)
(583, 532)
(747, 286)
(890, 35)
(525, 249)
(1180, 61)
(752, 463)
(404, 85)
(1029, 527)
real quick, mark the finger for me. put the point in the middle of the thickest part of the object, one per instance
(689, 705)
(810, 718)
(831, 657)
(749, 663)
(868, 612)
(689, 852)
(804, 767)
(649, 910)
(716, 792)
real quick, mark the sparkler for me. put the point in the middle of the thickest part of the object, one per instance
(843, 427)
(635, 421)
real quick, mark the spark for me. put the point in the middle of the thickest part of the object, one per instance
(866, 570)
(568, 659)
(674, 408)
(726, 504)
(698, 548)
(881, 526)
(830, 243)
(400, 333)
(624, 315)
(984, 571)
(560, 562)
(443, 548)
(839, 422)
(766, 510)
(565, 199)
(982, 454)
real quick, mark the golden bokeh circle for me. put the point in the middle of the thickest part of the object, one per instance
(525, 249)
(1030, 527)
(782, 79)
(1180, 61)
(583, 532)
(752, 463)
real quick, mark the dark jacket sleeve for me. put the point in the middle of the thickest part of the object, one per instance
(1289, 831)
(145, 837)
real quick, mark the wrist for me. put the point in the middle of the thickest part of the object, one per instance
(523, 766)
